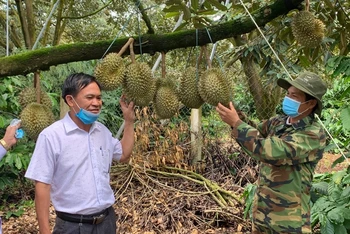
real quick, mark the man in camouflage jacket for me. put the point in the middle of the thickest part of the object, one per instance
(288, 148)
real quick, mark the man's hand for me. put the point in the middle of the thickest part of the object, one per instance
(228, 115)
(10, 133)
(127, 109)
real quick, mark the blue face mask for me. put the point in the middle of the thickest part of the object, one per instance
(291, 107)
(85, 116)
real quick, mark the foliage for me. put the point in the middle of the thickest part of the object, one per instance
(17, 159)
(16, 210)
(248, 196)
(331, 202)
(337, 102)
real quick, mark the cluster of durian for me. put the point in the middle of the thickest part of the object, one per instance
(35, 116)
(307, 30)
(166, 101)
(210, 86)
(110, 71)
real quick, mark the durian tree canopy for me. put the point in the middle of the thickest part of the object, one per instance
(44, 58)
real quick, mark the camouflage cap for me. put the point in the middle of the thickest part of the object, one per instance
(309, 83)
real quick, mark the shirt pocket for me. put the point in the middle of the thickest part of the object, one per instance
(104, 160)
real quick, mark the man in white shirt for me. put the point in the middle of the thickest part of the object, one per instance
(72, 160)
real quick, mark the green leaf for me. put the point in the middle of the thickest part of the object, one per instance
(345, 118)
(18, 163)
(207, 12)
(336, 216)
(2, 122)
(217, 4)
(338, 176)
(346, 180)
(340, 229)
(338, 160)
(304, 61)
(346, 213)
(321, 187)
(347, 224)
(345, 93)
(173, 2)
(187, 12)
(175, 8)
(194, 4)
(327, 227)
(171, 14)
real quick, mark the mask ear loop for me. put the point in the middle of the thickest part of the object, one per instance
(76, 104)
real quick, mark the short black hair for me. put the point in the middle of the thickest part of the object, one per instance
(76, 82)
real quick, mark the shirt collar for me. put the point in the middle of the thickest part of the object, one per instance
(70, 126)
(302, 122)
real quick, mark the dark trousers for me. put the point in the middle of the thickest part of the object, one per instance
(108, 226)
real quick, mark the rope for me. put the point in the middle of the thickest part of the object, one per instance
(178, 23)
(340, 150)
(139, 29)
(120, 31)
(274, 52)
(45, 25)
(7, 29)
(262, 34)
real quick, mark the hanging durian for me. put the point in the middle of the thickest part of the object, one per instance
(28, 95)
(214, 87)
(188, 88)
(166, 102)
(34, 118)
(139, 84)
(110, 71)
(307, 30)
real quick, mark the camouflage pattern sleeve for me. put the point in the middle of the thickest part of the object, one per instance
(245, 118)
(279, 144)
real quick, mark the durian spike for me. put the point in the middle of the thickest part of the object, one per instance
(132, 53)
(127, 44)
(163, 65)
(37, 86)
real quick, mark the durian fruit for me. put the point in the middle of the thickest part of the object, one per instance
(214, 87)
(139, 85)
(307, 30)
(28, 95)
(34, 118)
(188, 88)
(166, 102)
(110, 71)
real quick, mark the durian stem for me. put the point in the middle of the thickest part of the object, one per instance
(200, 57)
(37, 85)
(207, 57)
(307, 5)
(163, 65)
(132, 53)
(127, 44)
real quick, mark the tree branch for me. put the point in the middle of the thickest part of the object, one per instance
(145, 17)
(42, 59)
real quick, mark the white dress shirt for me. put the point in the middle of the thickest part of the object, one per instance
(76, 164)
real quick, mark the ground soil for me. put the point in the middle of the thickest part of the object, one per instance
(27, 223)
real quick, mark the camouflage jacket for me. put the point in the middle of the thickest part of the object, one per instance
(288, 155)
